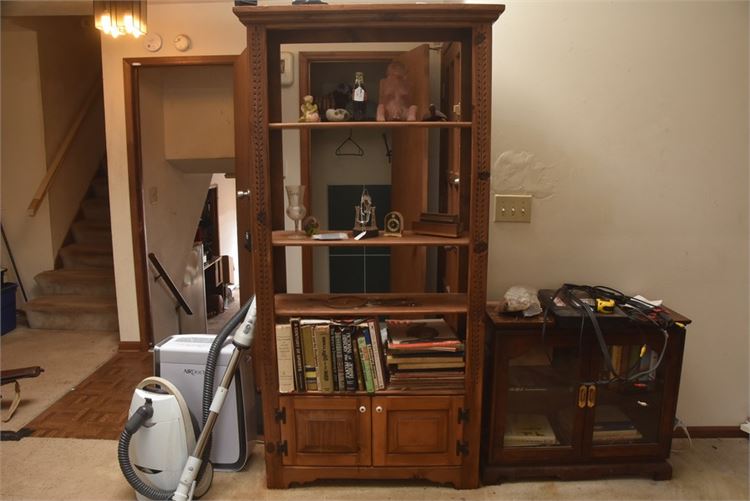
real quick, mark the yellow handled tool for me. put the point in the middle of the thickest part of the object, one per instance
(605, 305)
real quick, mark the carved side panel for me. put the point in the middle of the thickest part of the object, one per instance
(260, 224)
(479, 217)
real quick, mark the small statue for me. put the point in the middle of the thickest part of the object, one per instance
(365, 225)
(395, 96)
(309, 110)
(434, 115)
(359, 97)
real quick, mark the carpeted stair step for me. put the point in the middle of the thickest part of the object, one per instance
(101, 187)
(92, 232)
(95, 209)
(72, 312)
(86, 282)
(78, 256)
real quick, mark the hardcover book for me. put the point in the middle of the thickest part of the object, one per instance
(285, 358)
(528, 430)
(299, 364)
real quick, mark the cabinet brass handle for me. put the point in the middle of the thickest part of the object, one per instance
(591, 400)
(582, 396)
(362, 409)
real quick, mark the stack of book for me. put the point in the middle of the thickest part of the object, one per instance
(528, 430)
(424, 353)
(326, 356)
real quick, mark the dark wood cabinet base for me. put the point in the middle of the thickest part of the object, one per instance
(298, 475)
(657, 470)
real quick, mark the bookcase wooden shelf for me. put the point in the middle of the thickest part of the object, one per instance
(368, 125)
(368, 305)
(283, 238)
(409, 430)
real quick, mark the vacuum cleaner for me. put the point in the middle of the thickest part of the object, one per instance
(160, 452)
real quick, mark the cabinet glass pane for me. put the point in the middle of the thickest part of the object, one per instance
(629, 411)
(542, 392)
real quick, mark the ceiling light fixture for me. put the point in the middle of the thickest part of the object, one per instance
(120, 17)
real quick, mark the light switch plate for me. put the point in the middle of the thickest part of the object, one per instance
(513, 208)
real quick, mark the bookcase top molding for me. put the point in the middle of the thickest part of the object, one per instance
(448, 15)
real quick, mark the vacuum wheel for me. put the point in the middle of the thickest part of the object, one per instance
(205, 482)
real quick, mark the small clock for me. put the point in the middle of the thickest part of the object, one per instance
(393, 224)
(152, 42)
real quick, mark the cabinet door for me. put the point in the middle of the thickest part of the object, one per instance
(416, 431)
(326, 431)
(632, 417)
(537, 411)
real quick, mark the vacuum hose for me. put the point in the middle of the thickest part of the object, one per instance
(145, 412)
(210, 372)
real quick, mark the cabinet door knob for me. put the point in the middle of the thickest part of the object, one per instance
(362, 409)
(582, 396)
(591, 399)
(243, 194)
(378, 409)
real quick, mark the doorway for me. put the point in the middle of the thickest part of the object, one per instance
(181, 138)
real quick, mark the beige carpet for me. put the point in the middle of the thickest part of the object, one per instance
(67, 357)
(52, 468)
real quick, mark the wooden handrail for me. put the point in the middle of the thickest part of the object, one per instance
(44, 185)
(181, 303)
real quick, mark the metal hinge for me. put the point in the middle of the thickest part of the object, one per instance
(462, 448)
(280, 415)
(282, 448)
(463, 415)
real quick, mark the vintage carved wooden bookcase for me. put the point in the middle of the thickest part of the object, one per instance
(431, 434)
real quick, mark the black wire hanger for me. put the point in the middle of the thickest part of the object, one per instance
(359, 152)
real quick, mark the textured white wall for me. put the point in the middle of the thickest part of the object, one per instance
(23, 162)
(628, 120)
(629, 123)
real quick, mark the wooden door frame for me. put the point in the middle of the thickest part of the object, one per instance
(131, 80)
(305, 59)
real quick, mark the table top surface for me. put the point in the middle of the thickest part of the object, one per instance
(518, 321)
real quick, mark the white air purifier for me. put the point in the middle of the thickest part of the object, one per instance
(181, 359)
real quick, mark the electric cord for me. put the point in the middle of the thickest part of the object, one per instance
(635, 309)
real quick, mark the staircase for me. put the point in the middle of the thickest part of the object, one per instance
(81, 294)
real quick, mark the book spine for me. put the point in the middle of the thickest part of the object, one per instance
(308, 356)
(299, 365)
(364, 354)
(334, 361)
(350, 377)
(339, 349)
(377, 371)
(284, 358)
(359, 372)
(323, 340)
(377, 346)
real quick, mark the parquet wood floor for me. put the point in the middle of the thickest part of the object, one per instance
(98, 407)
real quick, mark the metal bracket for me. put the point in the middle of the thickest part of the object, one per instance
(282, 448)
(463, 415)
(462, 448)
(280, 415)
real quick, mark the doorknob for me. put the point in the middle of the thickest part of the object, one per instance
(362, 409)
(454, 179)
(378, 409)
(243, 194)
